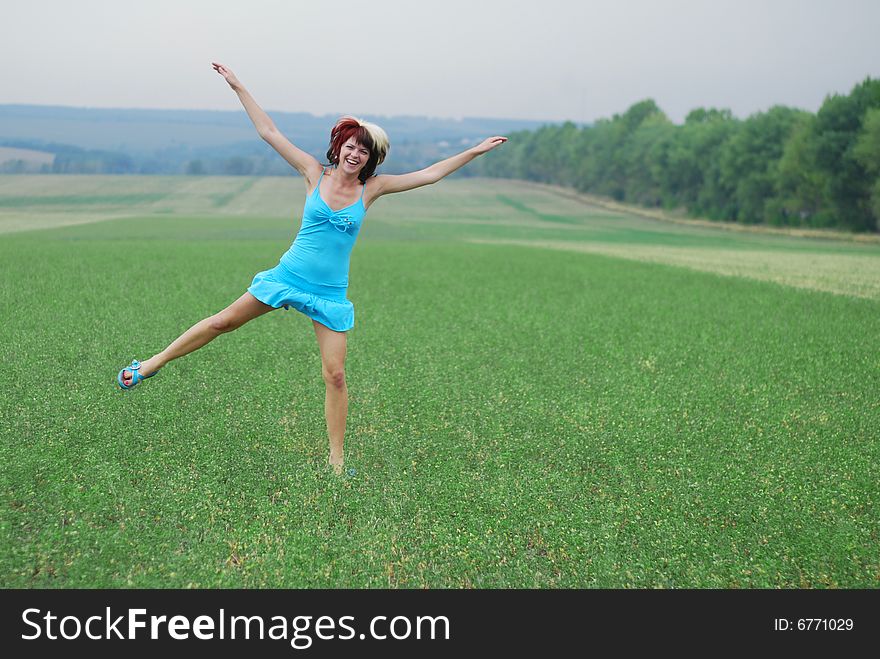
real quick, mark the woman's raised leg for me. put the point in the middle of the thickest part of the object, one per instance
(245, 308)
(333, 346)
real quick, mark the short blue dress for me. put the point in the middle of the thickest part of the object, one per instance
(312, 276)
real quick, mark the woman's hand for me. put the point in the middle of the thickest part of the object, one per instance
(488, 144)
(227, 74)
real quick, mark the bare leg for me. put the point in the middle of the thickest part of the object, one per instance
(245, 308)
(333, 346)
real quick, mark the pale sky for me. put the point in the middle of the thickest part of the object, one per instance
(547, 59)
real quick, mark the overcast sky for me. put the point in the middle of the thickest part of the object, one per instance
(544, 59)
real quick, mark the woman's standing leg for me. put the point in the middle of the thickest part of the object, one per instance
(245, 308)
(333, 345)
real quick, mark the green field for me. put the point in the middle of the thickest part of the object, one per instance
(544, 393)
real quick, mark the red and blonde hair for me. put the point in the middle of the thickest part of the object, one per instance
(363, 132)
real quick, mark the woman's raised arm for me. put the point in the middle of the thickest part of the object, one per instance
(304, 163)
(389, 183)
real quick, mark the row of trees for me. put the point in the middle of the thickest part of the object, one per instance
(780, 167)
(250, 159)
(233, 160)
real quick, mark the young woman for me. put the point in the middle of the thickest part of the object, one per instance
(312, 276)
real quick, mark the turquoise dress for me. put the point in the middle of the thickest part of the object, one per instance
(312, 276)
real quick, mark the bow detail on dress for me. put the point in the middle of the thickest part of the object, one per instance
(341, 221)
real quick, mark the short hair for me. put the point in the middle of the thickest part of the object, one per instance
(364, 132)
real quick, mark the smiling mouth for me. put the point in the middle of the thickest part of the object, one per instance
(351, 162)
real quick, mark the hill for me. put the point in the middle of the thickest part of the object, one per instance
(92, 140)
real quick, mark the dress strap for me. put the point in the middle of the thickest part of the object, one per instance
(318, 185)
(363, 187)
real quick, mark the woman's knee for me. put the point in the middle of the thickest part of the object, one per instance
(334, 376)
(223, 322)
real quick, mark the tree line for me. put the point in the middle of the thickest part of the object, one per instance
(782, 167)
(253, 158)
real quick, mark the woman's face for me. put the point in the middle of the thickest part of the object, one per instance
(353, 157)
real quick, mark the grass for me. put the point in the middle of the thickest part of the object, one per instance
(520, 416)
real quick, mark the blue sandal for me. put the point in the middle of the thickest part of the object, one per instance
(136, 376)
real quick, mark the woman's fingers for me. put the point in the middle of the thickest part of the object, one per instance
(228, 75)
(490, 143)
(223, 71)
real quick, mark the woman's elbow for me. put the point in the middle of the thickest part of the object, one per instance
(266, 132)
(432, 175)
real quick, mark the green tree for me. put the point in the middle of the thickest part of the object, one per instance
(749, 161)
(603, 169)
(693, 178)
(801, 186)
(867, 152)
(645, 159)
(837, 130)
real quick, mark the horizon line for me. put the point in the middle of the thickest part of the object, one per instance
(303, 112)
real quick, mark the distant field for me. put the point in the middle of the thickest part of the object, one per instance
(544, 393)
(40, 202)
(37, 157)
(28, 159)
(481, 211)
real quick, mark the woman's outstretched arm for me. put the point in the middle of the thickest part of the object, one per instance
(304, 163)
(388, 183)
